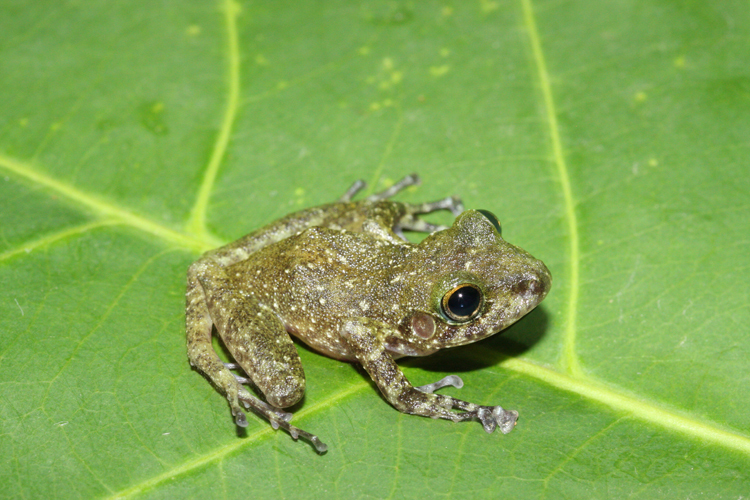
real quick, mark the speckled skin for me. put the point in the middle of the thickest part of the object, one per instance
(342, 278)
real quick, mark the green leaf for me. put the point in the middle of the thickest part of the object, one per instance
(611, 138)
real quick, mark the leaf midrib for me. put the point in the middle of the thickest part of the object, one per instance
(570, 363)
(197, 222)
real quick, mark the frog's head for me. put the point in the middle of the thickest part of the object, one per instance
(467, 284)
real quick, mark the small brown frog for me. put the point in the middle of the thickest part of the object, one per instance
(343, 279)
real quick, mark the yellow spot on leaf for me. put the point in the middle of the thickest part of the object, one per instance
(488, 6)
(439, 70)
(364, 50)
(444, 52)
(446, 11)
(193, 30)
(640, 96)
(679, 62)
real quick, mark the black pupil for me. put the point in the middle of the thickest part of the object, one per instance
(464, 301)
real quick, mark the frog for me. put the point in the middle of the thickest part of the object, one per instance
(343, 279)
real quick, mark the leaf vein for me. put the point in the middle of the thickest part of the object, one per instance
(235, 445)
(197, 221)
(28, 247)
(101, 321)
(570, 362)
(104, 209)
(644, 410)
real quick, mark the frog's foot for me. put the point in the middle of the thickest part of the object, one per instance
(278, 418)
(490, 416)
(359, 185)
(419, 401)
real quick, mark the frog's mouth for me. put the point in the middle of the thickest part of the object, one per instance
(399, 348)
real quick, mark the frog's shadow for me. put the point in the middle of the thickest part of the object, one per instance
(512, 342)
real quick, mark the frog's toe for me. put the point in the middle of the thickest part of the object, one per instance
(355, 188)
(239, 416)
(240, 419)
(416, 224)
(506, 419)
(240, 379)
(409, 180)
(451, 203)
(450, 380)
(485, 417)
(320, 446)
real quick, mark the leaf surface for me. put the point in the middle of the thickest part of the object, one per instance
(610, 137)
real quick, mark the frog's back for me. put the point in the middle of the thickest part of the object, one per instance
(314, 279)
(338, 215)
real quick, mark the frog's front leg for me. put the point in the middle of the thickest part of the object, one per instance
(257, 340)
(365, 338)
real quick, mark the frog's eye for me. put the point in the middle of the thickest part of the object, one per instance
(491, 217)
(462, 303)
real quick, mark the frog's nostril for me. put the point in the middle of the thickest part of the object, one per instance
(525, 287)
(533, 286)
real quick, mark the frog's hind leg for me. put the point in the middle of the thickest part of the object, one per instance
(257, 341)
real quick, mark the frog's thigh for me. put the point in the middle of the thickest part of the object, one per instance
(258, 342)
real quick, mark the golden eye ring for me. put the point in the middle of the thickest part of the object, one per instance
(462, 303)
